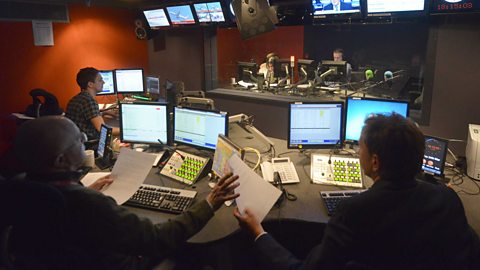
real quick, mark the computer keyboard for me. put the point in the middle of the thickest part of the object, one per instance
(164, 199)
(331, 199)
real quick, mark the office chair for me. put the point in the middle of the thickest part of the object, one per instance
(31, 226)
(194, 102)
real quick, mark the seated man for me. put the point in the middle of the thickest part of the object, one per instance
(83, 108)
(399, 223)
(266, 68)
(108, 235)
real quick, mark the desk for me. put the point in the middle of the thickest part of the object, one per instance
(308, 206)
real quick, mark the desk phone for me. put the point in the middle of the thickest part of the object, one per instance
(285, 169)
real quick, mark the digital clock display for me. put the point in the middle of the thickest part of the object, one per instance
(452, 6)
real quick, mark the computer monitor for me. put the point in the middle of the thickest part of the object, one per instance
(145, 123)
(153, 85)
(156, 18)
(385, 6)
(435, 155)
(306, 69)
(315, 124)
(247, 71)
(225, 149)
(180, 15)
(129, 81)
(109, 86)
(104, 140)
(199, 127)
(325, 7)
(334, 70)
(282, 68)
(359, 109)
(209, 12)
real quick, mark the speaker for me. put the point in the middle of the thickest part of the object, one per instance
(140, 30)
(254, 17)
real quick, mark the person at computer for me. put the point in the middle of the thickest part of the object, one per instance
(83, 108)
(111, 237)
(399, 223)
(266, 68)
(338, 56)
(338, 5)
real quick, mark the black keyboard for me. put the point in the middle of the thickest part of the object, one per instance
(164, 199)
(331, 199)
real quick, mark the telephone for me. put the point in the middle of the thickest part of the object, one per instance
(284, 167)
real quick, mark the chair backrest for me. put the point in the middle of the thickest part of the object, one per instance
(34, 213)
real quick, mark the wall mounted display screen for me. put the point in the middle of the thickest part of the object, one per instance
(156, 18)
(129, 80)
(180, 15)
(454, 6)
(333, 7)
(384, 6)
(209, 12)
(109, 85)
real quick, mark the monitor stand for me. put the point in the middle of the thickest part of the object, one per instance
(432, 178)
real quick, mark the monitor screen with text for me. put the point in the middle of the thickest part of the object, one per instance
(109, 85)
(144, 123)
(315, 125)
(199, 127)
(129, 80)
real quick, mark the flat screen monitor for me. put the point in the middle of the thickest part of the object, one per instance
(306, 68)
(315, 124)
(180, 15)
(199, 127)
(209, 12)
(454, 6)
(359, 109)
(104, 140)
(225, 149)
(144, 123)
(282, 68)
(335, 7)
(435, 155)
(156, 18)
(153, 85)
(387, 6)
(109, 85)
(129, 80)
(334, 70)
(247, 71)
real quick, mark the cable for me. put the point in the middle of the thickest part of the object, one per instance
(250, 149)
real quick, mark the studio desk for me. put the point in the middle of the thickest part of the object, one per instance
(308, 206)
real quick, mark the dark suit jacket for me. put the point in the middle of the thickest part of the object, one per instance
(343, 6)
(414, 225)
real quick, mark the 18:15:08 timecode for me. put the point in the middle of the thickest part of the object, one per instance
(455, 6)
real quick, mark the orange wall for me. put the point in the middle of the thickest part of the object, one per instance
(284, 41)
(100, 37)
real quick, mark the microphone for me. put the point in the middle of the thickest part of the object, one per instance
(171, 149)
(369, 74)
(388, 77)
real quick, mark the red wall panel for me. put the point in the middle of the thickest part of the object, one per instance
(100, 37)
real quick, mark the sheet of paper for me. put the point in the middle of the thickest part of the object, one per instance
(130, 171)
(42, 33)
(88, 179)
(256, 194)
